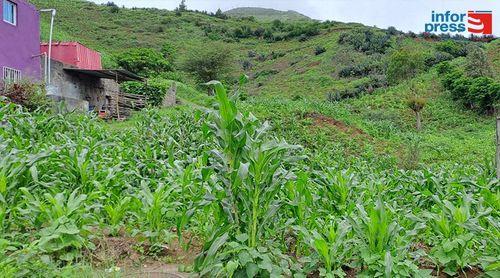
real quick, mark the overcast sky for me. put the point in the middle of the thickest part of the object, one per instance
(405, 15)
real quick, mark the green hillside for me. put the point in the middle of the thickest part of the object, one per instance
(263, 14)
(288, 79)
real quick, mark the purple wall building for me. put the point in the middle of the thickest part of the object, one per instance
(19, 40)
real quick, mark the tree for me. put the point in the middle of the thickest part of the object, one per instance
(417, 103)
(404, 63)
(209, 63)
(146, 62)
(477, 62)
(182, 6)
(113, 7)
(220, 14)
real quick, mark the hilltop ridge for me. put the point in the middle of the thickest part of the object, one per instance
(265, 14)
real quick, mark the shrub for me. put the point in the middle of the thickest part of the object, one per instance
(366, 40)
(220, 14)
(143, 61)
(454, 48)
(319, 50)
(113, 8)
(437, 58)
(268, 35)
(277, 24)
(404, 63)
(444, 67)
(393, 31)
(367, 86)
(477, 62)
(28, 94)
(259, 32)
(242, 32)
(246, 65)
(275, 55)
(484, 94)
(333, 96)
(155, 89)
(478, 93)
(209, 63)
(169, 52)
(302, 31)
(362, 69)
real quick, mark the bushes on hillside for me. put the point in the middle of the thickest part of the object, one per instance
(302, 31)
(479, 93)
(155, 89)
(278, 31)
(169, 52)
(454, 48)
(477, 62)
(143, 61)
(362, 69)
(366, 86)
(366, 40)
(437, 58)
(113, 8)
(209, 63)
(405, 62)
(472, 86)
(243, 32)
(319, 50)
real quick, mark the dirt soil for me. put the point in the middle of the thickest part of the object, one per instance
(133, 260)
(322, 121)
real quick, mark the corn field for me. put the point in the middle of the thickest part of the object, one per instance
(258, 205)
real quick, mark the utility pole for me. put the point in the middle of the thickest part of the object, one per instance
(53, 15)
(498, 147)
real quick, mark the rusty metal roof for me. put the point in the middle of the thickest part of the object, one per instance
(114, 74)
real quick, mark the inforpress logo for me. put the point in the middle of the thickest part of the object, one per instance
(480, 22)
(477, 22)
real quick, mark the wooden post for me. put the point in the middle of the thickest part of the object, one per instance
(498, 147)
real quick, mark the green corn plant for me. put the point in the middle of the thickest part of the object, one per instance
(249, 168)
(332, 244)
(300, 203)
(249, 164)
(63, 222)
(336, 188)
(3, 216)
(456, 229)
(156, 212)
(115, 212)
(38, 211)
(382, 250)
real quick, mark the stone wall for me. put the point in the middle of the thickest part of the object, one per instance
(171, 96)
(80, 92)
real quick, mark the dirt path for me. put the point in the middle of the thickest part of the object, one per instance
(156, 271)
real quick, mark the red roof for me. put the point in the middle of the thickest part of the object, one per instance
(74, 54)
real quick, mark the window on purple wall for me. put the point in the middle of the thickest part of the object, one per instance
(9, 12)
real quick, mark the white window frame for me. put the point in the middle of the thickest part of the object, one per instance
(10, 75)
(14, 18)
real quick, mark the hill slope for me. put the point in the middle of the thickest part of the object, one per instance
(263, 14)
(291, 82)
